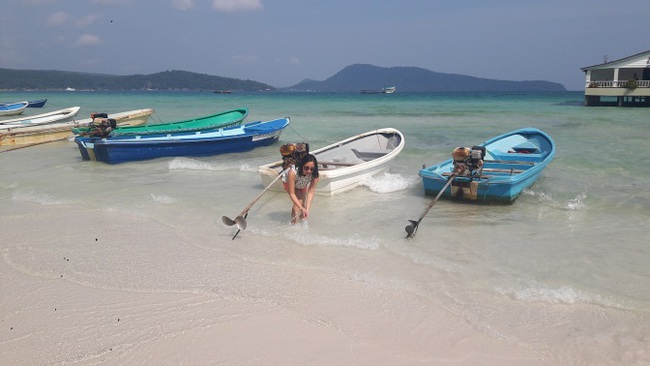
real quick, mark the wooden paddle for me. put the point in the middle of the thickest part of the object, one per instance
(412, 228)
(240, 220)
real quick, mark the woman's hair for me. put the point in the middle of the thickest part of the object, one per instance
(306, 159)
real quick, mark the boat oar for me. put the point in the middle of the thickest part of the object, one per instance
(413, 226)
(240, 220)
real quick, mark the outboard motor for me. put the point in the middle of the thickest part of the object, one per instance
(101, 126)
(293, 153)
(468, 162)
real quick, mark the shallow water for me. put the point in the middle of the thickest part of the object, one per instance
(563, 271)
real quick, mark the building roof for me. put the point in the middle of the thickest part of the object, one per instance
(641, 59)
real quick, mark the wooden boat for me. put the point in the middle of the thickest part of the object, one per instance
(118, 149)
(12, 109)
(344, 165)
(496, 171)
(21, 135)
(60, 115)
(215, 121)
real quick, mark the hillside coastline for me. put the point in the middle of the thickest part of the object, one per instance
(353, 78)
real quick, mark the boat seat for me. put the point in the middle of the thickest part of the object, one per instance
(519, 156)
(370, 154)
(526, 148)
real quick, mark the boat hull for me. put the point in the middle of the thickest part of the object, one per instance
(23, 135)
(36, 103)
(233, 139)
(340, 168)
(507, 171)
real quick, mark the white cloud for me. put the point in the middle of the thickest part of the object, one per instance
(236, 5)
(86, 21)
(183, 4)
(57, 19)
(295, 61)
(87, 40)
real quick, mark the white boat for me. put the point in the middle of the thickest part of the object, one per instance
(21, 135)
(12, 109)
(344, 165)
(389, 90)
(60, 115)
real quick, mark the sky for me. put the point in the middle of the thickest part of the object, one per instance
(282, 42)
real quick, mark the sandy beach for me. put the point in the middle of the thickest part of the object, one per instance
(282, 315)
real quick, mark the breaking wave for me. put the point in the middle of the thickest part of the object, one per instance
(388, 183)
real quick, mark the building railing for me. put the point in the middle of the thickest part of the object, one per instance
(619, 84)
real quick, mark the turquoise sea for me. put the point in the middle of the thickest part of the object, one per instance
(563, 272)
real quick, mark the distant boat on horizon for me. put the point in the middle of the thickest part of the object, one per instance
(385, 90)
(70, 89)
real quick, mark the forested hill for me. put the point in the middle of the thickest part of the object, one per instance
(166, 80)
(414, 79)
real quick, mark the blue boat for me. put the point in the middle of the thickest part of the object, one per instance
(36, 103)
(12, 109)
(496, 171)
(118, 149)
(30, 104)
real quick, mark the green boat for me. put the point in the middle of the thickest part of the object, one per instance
(211, 122)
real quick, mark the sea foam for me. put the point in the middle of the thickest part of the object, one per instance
(388, 183)
(192, 164)
(558, 295)
(40, 198)
(163, 198)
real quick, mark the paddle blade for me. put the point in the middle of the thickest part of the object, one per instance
(227, 221)
(411, 228)
(241, 223)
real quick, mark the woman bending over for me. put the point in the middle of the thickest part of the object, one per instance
(300, 182)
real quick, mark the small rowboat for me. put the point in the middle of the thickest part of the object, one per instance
(12, 109)
(36, 103)
(496, 171)
(344, 165)
(118, 149)
(31, 104)
(60, 115)
(25, 134)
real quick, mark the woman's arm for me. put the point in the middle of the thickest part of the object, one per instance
(291, 177)
(310, 194)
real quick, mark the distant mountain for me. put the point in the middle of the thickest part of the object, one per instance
(414, 79)
(166, 80)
